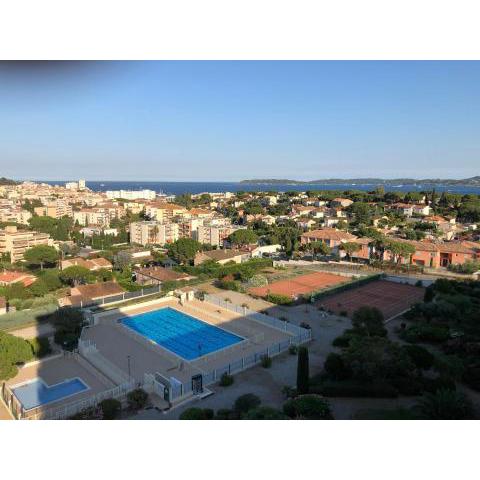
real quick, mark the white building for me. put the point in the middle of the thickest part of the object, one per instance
(131, 194)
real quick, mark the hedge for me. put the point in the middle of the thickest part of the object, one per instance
(342, 287)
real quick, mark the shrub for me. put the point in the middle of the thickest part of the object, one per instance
(335, 367)
(292, 349)
(423, 332)
(279, 299)
(312, 407)
(111, 408)
(303, 373)
(195, 413)
(420, 356)
(265, 413)
(368, 321)
(432, 385)
(226, 380)
(266, 361)
(246, 402)
(137, 399)
(446, 405)
(343, 341)
(226, 414)
(40, 346)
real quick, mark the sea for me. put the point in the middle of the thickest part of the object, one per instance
(178, 188)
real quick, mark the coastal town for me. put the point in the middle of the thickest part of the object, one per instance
(312, 261)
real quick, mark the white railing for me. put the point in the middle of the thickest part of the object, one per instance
(260, 317)
(118, 392)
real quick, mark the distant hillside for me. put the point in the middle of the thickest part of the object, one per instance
(473, 181)
(7, 181)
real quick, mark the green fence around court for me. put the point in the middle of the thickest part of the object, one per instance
(25, 318)
(313, 297)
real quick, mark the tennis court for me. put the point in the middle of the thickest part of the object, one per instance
(389, 297)
(301, 285)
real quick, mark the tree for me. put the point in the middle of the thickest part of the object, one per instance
(350, 248)
(40, 255)
(369, 321)
(265, 413)
(311, 407)
(196, 413)
(75, 274)
(399, 250)
(303, 374)
(446, 404)
(318, 248)
(13, 351)
(335, 367)
(184, 249)
(243, 237)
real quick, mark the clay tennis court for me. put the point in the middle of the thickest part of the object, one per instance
(301, 285)
(389, 297)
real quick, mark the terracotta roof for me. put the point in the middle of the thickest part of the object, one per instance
(9, 277)
(329, 234)
(97, 290)
(161, 274)
(222, 254)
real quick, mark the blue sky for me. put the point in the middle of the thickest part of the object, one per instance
(234, 120)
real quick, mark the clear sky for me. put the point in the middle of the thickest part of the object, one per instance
(234, 120)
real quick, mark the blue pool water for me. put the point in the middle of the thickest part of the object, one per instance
(37, 392)
(182, 334)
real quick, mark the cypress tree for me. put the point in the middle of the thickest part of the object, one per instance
(302, 371)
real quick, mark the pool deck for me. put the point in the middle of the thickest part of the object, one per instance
(57, 370)
(116, 343)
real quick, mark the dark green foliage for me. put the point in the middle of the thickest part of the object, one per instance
(184, 250)
(137, 399)
(246, 402)
(226, 414)
(368, 321)
(425, 332)
(110, 408)
(41, 255)
(335, 367)
(68, 323)
(266, 361)
(310, 407)
(350, 388)
(420, 356)
(40, 347)
(446, 405)
(13, 351)
(303, 371)
(226, 380)
(265, 413)
(243, 237)
(75, 275)
(195, 413)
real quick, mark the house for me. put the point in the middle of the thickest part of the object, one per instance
(222, 256)
(8, 278)
(330, 236)
(341, 202)
(92, 264)
(159, 275)
(305, 223)
(264, 250)
(364, 253)
(403, 208)
(420, 209)
(85, 294)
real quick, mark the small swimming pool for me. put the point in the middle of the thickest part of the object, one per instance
(180, 333)
(36, 392)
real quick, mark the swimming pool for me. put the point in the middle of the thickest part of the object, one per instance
(180, 333)
(36, 392)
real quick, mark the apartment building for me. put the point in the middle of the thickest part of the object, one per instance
(55, 209)
(214, 235)
(164, 212)
(15, 214)
(16, 242)
(151, 232)
(131, 194)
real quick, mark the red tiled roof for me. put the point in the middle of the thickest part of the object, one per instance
(329, 234)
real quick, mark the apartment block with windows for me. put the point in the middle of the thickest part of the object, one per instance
(16, 242)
